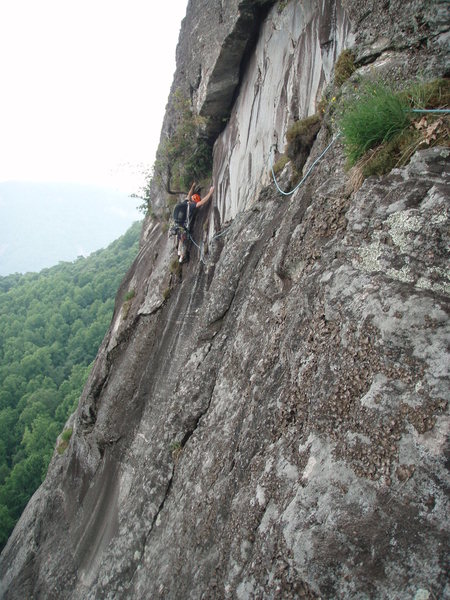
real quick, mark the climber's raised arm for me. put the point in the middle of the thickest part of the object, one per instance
(191, 191)
(206, 198)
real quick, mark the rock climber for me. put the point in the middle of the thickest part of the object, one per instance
(195, 197)
(184, 214)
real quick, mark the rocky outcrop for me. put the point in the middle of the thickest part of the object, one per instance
(273, 423)
(216, 40)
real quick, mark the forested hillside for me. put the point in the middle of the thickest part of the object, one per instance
(51, 325)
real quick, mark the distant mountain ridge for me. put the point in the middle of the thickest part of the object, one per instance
(42, 224)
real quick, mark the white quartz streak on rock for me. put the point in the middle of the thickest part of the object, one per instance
(285, 77)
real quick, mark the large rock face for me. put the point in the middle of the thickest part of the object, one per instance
(292, 62)
(277, 426)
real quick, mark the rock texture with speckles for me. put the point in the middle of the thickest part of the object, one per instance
(272, 422)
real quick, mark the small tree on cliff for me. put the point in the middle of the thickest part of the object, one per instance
(186, 154)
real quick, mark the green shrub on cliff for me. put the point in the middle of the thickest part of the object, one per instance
(300, 138)
(428, 94)
(186, 154)
(381, 132)
(344, 67)
(280, 164)
(65, 439)
(376, 116)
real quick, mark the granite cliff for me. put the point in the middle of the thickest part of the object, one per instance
(273, 422)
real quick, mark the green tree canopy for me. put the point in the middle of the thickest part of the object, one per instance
(51, 325)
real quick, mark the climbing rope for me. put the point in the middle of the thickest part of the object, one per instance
(218, 235)
(300, 183)
(224, 231)
(198, 247)
(430, 110)
(308, 172)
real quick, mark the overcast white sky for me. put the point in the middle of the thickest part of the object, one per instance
(84, 84)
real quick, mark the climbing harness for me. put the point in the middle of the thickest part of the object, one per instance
(178, 230)
(181, 234)
(300, 183)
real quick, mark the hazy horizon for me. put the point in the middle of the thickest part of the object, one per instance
(42, 224)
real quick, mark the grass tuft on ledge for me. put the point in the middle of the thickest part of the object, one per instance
(375, 117)
(380, 131)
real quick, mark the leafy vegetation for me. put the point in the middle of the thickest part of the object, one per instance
(299, 129)
(51, 325)
(381, 132)
(376, 116)
(280, 164)
(344, 67)
(282, 5)
(428, 94)
(300, 138)
(184, 156)
(65, 438)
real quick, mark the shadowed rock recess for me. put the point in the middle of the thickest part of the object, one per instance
(273, 422)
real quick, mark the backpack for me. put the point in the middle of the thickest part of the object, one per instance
(180, 213)
(184, 213)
